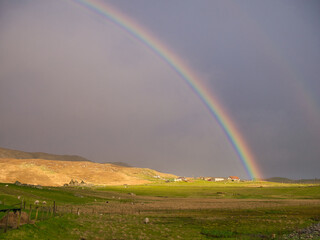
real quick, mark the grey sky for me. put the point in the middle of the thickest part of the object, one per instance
(73, 83)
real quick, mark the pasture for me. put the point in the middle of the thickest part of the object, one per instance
(183, 210)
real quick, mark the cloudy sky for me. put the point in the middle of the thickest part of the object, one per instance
(72, 82)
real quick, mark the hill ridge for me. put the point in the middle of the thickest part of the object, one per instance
(17, 154)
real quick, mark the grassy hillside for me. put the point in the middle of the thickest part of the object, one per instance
(287, 180)
(57, 173)
(279, 180)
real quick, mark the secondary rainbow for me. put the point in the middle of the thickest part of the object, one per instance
(216, 110)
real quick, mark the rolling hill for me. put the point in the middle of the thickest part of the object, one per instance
(57, 173)
(9, 153)
(56, 170)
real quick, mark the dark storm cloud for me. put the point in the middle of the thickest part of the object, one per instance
(71, 82)
(261, 59)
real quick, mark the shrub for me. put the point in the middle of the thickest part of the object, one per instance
(213, 233)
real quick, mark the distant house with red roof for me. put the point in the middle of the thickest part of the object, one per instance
(234, 178)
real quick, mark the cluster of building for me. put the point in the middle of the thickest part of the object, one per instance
(73, 183)
(213, 179)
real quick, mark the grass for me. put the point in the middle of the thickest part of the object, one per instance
(245, 190)
(11, 193)
(178, 225)
(53, 228)
(213, 233)
(196, 210)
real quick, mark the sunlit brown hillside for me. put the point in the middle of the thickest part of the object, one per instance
(57, 173)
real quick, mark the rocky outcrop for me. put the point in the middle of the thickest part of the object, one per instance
(27, 185)
(312, 232)
(74, 183)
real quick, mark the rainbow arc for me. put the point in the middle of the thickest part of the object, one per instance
(216, 110)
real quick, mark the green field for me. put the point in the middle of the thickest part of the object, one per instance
(256, 190)
(184, 210)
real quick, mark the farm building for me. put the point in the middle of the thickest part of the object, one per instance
(180, 179)
(218, 179)
(234, 178)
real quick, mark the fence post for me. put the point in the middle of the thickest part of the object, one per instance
(78, 211)
(19, 218)
(42, 212)
(6, 224)
(37, 213)
(30, 212)
(54, 208)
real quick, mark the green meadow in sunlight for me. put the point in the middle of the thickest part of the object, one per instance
(175, 210)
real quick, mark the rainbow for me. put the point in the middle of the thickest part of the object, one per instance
(241, 148)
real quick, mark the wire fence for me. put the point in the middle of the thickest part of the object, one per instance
(17, 214)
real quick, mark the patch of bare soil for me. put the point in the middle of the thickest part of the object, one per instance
(13, 219)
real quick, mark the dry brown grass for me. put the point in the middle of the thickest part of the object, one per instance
(57, 173)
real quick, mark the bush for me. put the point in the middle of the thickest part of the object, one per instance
(213, 233)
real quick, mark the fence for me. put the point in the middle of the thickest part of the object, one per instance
(40, 212)
(34, 213)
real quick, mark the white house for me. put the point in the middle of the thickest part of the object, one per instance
(218, 179)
